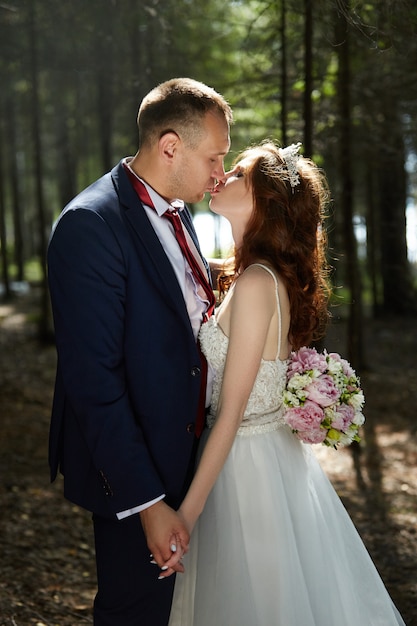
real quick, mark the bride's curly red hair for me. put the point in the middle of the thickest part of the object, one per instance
(286, 230)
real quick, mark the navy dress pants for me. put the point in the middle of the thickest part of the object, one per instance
(129, 592)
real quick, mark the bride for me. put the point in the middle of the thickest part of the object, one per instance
(272, 544)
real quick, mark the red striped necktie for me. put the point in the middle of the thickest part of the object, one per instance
(174, 218)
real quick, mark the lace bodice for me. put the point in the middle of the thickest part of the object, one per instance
(264, 409)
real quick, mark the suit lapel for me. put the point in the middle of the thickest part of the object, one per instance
(138, 220)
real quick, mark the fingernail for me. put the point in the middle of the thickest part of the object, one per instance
(164, 568)
(153, 562)
(161, 577)
(173, 547)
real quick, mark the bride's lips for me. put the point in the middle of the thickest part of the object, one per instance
(216, 189)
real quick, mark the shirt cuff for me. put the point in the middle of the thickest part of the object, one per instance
(138, 509)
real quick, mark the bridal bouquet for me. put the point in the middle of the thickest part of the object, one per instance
(323, 398)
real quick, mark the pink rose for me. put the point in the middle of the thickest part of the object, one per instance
(314, 436)
(323, 391)
(305, 418)
(346, 366)
(337, 421)
(306, 359)
(345, 414)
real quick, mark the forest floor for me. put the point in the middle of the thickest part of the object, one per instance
(47, 572)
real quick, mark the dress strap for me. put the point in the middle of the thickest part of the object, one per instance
(268, 269)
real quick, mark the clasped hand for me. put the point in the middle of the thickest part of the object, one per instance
(167, 537)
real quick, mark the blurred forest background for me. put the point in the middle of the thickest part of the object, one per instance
(338, 75)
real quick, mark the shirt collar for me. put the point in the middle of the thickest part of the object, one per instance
(160, 204)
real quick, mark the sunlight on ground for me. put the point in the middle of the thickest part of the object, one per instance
(333, 461)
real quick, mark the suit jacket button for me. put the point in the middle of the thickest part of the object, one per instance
(195, 371)
(190, 428)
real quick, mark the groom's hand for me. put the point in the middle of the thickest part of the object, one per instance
(163, 529)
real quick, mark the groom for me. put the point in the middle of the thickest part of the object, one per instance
(127, 310)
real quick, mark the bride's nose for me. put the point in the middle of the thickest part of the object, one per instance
(225, 176)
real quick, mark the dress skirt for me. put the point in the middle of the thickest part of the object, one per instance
(276, 547)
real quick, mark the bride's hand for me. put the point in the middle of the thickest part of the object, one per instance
(165, 532)
(174, 563)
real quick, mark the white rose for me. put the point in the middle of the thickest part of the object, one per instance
(357, 400)
(359, 418)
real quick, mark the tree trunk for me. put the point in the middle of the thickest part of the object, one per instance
(354, 339)
(283, 97)
(372, 239)
(66, 174)
(3, 234)
(18, 248)
(399, 294)
(44, 319)
(308, 78)
(105, 114)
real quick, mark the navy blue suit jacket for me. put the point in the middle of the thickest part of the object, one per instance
(128, 372)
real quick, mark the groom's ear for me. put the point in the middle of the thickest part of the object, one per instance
(168, 146)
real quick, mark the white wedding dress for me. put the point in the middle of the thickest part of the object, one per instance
(274, 545)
